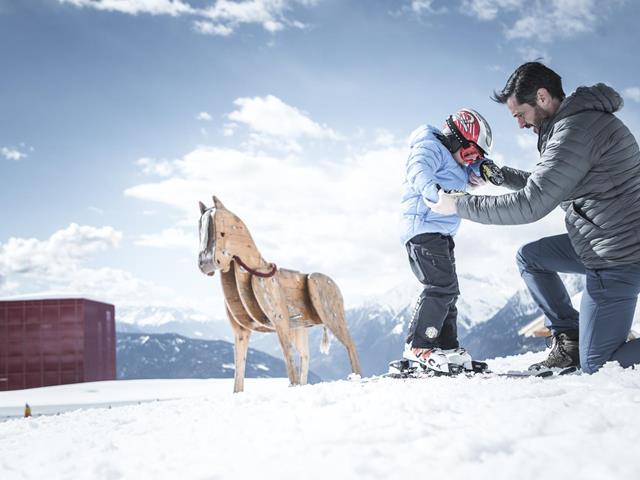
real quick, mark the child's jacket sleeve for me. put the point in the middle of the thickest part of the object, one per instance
(422, 166)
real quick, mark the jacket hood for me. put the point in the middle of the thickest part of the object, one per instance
(599, 98)
(422, 133)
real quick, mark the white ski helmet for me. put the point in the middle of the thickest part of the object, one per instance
(469, 129)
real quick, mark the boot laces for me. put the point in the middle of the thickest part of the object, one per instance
(558, 350)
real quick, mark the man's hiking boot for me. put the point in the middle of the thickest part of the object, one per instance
(564, 352)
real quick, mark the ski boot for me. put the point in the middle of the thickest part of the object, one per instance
(461, 358)
(434, 360)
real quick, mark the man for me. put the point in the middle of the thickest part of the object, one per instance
(439, 160)
(590, 166)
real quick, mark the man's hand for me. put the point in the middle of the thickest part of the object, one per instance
(446, 203)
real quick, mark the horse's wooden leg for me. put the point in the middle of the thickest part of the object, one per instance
(327, 300)
(273, 303)
(240, 348)
(301, 341)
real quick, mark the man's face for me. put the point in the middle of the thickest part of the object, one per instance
(527, 116)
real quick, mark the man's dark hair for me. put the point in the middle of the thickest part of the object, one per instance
(525, 82)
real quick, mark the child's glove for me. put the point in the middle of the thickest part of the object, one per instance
(451, 192)
(491, 172)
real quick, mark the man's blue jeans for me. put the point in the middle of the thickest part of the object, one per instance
(607, 307)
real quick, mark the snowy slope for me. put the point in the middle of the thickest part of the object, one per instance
(583, 427)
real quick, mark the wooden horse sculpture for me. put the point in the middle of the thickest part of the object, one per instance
(259, 297)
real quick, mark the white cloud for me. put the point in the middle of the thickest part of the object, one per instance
(425, 6)
(270, 115)
(266, 13)
(335, 217)
(209, 28)
(150, 166)
(12, 154)
(489, 9)
(229, 129)
(531, 54)
(170, 238)
(135, 7)
(338, 218)
(65, 247)
(527, 141)
(385, 138)
(565, 18)
(632, 93)
(94, 209)
(221, 17)
(525, 19)
(29, 265)
(544, 21)
(204, 116)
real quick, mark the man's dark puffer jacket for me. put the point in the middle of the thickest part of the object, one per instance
(590, 166)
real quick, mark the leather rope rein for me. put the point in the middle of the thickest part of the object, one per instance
(270, 273)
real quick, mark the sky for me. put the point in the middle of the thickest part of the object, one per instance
(118, 116)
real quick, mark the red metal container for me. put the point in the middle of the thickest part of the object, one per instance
(56, 341)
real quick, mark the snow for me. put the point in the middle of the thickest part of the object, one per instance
(577, 426)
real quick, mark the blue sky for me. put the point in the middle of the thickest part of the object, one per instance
(116, 116)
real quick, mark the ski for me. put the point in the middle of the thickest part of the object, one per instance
(539, 373)
(404, 368)
(401, 369)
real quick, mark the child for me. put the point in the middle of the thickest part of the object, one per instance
(440, 160)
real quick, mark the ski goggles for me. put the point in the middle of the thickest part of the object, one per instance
(471, 153)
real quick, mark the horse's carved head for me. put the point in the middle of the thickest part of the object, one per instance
(212, 255)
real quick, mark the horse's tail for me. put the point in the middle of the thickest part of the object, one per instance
(326, 341)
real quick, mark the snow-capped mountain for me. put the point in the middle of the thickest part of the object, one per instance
(490, 315)
(184, 321)
(174, 356)
(480, 298)
(499, 336)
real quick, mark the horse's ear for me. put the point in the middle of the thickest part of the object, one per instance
(217, 203)
(202, 207)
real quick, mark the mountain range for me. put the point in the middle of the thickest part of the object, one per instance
(489, 319)
(170, 355)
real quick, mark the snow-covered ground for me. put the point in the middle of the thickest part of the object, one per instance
(578, 426)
